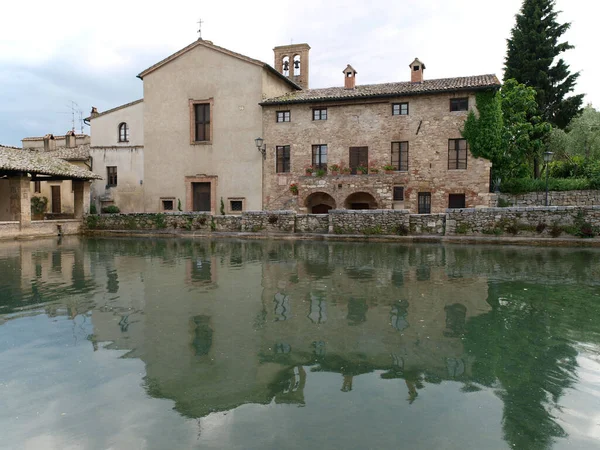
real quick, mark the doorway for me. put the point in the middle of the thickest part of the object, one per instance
(424, 202)
(56, 206)
(201, 196)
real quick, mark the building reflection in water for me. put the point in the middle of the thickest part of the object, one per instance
(213, 321)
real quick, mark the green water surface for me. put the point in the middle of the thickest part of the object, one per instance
(177, 344)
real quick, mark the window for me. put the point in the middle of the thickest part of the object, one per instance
(359, 156)
(457, 153)
(459, 104)
(424, 202)
(37, 187)
(456, 201)
(319, 156)
(320, 114)
(400, 155)
(202, 122)
(236, 205)
(168, 205)
(111, 175)
(283, 116)
(283, 158)
(400, 109)
(123, 132)
(398, 193)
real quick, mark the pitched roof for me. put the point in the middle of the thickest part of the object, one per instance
(116, 108)
(209, 44)
(79, 153)
(41, 138)
(19, 160)
(404, 88)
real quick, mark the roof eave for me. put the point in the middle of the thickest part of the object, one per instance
(283, 77)
(378, 96)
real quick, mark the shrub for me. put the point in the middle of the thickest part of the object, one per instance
(178, 204)
(585, 230)
(372, 230)
(462, 228)
(111, 209)
(512, 229)
(540, 227)
(213, 225)
(555, 230)
(503, 203)
(160, 221)
(93, 209)
(402, 230)
(38, 205)
(524, 185)
(320, 172)
(222, 208)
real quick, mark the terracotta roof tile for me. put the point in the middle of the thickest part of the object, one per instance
(388, 90)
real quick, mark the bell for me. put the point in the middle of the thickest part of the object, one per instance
(286, 66)
(296, 64)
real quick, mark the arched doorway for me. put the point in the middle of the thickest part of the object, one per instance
(319, 203)
(360, 200)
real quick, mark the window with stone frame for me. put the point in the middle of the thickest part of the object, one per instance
(459, 104)
(282, 156)
(400, 109)
(319, 156)
(400, 155)
(320, 114)
(457, 153)
(201, 122)
(283, 116)
(236, 205)
(168, 204)
(111, 176)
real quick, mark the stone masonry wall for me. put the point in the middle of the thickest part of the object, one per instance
(427, 129)
(428, 224)
(368, 221)
(555, 198)
(312, 223)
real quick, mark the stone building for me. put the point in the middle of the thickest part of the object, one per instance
(117, 153)
(412, 129)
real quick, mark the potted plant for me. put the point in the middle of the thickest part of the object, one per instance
(320, 172)
(38, 207)
(309, 170)
(361, 170)
(335, 169)
(373, 169)
(346, 171)
(388, 168)
(294, 189)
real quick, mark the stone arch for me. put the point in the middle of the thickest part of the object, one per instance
(360, 200)
(319, 203)
(297, 65)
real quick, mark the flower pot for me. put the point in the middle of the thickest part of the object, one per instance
(335, 173)
(388, 172)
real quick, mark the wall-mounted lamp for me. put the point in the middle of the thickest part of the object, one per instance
(261, 146)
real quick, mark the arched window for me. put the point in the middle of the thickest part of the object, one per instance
(297, 65)
(123, 132)
(285, 65)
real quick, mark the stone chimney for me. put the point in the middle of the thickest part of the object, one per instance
(416, 71)
(94, 112)
(349, 77)
(70, 139)
(292, 62)
(49, 143)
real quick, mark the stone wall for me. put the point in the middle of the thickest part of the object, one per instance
(312, 223)
(428, 224)
(369, 221)
(269, 221)
(40, 228)
(532, 221)
(555, 198)
(427, 129)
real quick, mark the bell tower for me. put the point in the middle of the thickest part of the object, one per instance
(292, 62)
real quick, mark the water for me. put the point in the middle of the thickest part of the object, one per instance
(176, 344)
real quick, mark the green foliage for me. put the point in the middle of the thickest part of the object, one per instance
(338, 230)
(213, 225)
(524, 185)
(179, 205)
(555, 230)
(402, 230)
(503, 203)
(111, 209)
(92, 222)
(372, 230)
(540, 227)
(222, 208)
(321, 172)
(160, 220)
(93, 209)
(39, 205)
(462, 228)
(533, 58)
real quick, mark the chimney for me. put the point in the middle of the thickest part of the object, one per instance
(349, 77)
(49, 143)
(416, 71)
(70, 140)
(94, 112)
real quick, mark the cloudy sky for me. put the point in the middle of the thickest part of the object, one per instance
(59, 52)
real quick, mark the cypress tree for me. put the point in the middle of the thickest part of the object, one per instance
(533, 59)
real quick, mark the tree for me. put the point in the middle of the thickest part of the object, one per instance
(533, 59)
(507, 130)
(584, 134)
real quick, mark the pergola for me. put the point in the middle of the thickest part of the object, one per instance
(21, 167)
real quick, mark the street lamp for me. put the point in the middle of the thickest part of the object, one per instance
(261, 146)
(547, 159)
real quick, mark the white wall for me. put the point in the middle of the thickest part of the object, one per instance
(104, 129)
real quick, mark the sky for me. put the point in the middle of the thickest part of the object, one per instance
(59, 56)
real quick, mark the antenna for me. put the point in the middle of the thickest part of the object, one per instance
(200, 22)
